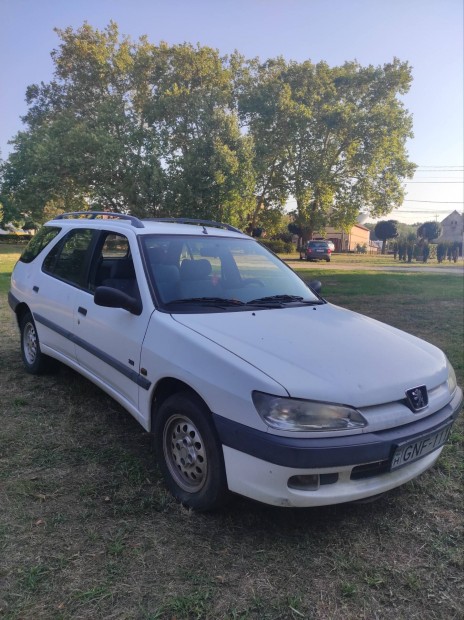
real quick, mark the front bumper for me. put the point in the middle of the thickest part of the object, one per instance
(259, 464)
(13, 302)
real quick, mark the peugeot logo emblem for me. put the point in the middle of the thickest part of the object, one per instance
(417, 398)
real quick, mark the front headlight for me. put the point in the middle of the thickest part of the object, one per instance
(452, 383)
(292, 414)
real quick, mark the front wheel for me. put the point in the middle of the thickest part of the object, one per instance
(189, 453)
(35, 362)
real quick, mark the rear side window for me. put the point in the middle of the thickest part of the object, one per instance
(38, 243)
(69, 259)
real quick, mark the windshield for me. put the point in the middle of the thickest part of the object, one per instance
(220, 273)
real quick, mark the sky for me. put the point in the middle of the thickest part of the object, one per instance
(426, 33)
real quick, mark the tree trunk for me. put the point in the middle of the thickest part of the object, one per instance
(307, 227)
(260, 205)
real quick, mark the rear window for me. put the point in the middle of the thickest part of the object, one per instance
(38, 243)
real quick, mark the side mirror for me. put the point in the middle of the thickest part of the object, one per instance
(114, 298)
(316, 286)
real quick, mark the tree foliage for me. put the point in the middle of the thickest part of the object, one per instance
(338, 137)
(179, 130)
(132, 127)
(429, 231)
(387, 229)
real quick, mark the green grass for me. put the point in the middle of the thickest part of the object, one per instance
(9, 254)
(87, 529)
(370, 260)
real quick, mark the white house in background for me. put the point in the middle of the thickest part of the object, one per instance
(452, 228)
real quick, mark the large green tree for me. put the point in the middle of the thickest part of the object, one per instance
(263, 113)
(177, 130)
(86, 141)
(130, 126)
(338, 137)
(207, 160)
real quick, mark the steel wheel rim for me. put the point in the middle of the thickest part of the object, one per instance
(184, 453)
(30, 344)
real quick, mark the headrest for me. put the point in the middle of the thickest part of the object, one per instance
(195, 269)
(166, 273)
(156, 255)
(123, 268)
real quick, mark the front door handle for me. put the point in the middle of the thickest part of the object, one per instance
(82, 311)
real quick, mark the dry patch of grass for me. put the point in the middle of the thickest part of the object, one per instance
(88, 531)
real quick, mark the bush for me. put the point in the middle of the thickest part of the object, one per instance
(424, 251)
(283, 236)
(277, 246)
(14, 238)
(448, 250)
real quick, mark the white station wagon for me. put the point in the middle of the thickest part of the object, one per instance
(210, 342)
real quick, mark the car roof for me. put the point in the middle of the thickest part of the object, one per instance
(164, 226)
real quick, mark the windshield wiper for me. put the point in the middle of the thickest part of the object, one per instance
(208, 301)
(276, 300)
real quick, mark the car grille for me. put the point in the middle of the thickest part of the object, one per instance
(369, 470)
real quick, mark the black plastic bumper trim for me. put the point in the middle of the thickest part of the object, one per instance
(13, 301)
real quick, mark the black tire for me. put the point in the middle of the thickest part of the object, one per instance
(35, 362)
(189, 453)
(327, 260)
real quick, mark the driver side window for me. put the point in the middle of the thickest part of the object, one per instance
(115, 267)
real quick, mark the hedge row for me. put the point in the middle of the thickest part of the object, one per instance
(278, 246)
(12, 238)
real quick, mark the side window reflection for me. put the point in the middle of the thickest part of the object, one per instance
(115, 267)
(69, 260)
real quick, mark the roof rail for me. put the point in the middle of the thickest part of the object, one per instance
(187, 220)
(92, 215)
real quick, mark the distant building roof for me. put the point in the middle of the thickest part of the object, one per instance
(455, 214)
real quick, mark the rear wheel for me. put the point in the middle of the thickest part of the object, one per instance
(189, 453)
(35, 362)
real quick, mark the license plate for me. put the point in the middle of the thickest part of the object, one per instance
(421, 446)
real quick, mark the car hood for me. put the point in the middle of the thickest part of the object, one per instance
(325, 352)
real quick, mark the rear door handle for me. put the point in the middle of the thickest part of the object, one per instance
(82, 311)
(35, 289)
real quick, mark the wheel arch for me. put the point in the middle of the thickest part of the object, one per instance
(21, 310)
(168, 386)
